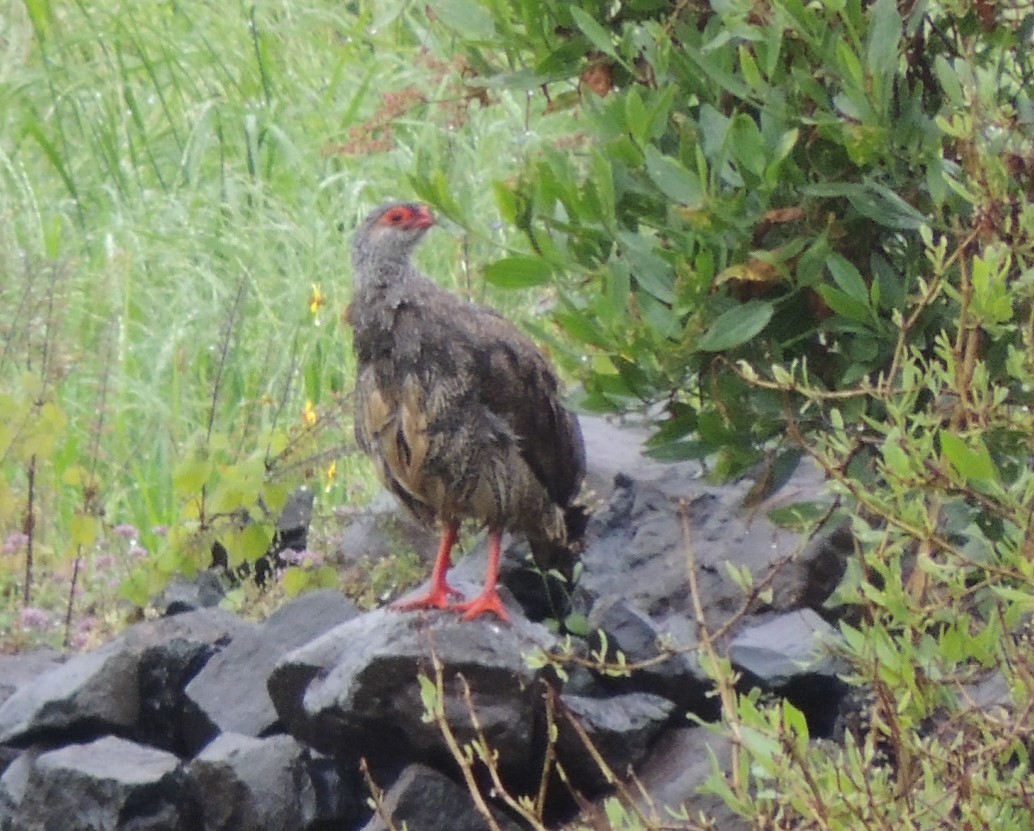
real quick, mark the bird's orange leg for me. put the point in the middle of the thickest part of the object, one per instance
(438, 596)
(488, 600)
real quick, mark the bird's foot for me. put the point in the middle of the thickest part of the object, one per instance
(436, 598)
(487, 601)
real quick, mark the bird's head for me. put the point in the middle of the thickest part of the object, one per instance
(391, 231)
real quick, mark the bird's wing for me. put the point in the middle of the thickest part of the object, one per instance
(518, 385)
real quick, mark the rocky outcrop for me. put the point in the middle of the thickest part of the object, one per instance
(202, 720)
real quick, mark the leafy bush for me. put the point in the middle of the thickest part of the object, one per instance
(808, 227)
(750, 180)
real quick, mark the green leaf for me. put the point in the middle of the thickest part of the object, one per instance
(736, 326)
(673, 180)
(846, 307)
(746, 144)
(190, 475)
(518, 272)
(969, 459)
(884, 36)
(466, 17)
(848, 278)
(247, 544)
(651, 271)
(597, 35)
(800, 516)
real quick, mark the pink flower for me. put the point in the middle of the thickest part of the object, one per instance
(104, 562)
(15, 542)
(127, 530)
(33, 618)
(137, 551)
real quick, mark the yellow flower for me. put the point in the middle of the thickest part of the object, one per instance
(309, 416)
(316, 300)
(331, 474)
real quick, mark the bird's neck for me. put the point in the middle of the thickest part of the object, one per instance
(373, 270)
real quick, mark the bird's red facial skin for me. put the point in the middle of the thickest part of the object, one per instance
(408, 217)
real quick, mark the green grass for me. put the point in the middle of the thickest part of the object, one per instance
(174, 179)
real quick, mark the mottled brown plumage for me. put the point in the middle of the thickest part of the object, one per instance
(459, 411)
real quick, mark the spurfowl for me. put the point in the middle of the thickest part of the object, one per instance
(459, 411)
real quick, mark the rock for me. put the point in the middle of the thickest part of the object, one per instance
(229, 694)
(381, 528)
(17, 670)
(785, 647)
(424, 800)
(620, 728)
(640, 639)
(13, 785)
(358, 686)
(181, 595)
(612, 450)
(292, 526)
(249, 784)
(98, 692)
(785, 655)
(164, 672)
(106, 785)
(678, 765)
(640, 532)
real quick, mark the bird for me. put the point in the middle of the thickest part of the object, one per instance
(460, 413)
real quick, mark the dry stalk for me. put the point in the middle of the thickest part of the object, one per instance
(377, 795)
(462, 759)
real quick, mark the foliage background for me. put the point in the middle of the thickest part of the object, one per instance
(770, 228)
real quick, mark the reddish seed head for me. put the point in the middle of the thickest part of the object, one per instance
(408, 217)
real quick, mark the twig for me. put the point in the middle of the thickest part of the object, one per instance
(377, 795)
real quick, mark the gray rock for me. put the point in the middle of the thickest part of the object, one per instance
(785, 647)
(678, 765)
(426, 800)
(13, 784)
(636, 549)
(620, 449)
(164, 672)
(249, 784)
(358, 686)
(229, 694)
(203, 591)
(17, 670)
(639, 638)
(381, 528)
(99, 691)
(785, 655)
(620, 729)
(108, 785)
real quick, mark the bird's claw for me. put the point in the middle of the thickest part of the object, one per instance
(436, 598)
(487, 601)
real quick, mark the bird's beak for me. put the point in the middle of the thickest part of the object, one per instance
(422, 217)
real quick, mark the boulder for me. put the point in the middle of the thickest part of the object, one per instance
(229, 694)
(670, 779)
(18, 670)
(422, 799)
(249, 784)
(789, 654)
(620, 728)
(107, 785)
(640, 532)
(785, 647)
(670, 666)
(363, 685)
(98, 692)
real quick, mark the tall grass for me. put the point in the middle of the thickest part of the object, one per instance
(174, 179)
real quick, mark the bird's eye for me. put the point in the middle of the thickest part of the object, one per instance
(395, 217)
